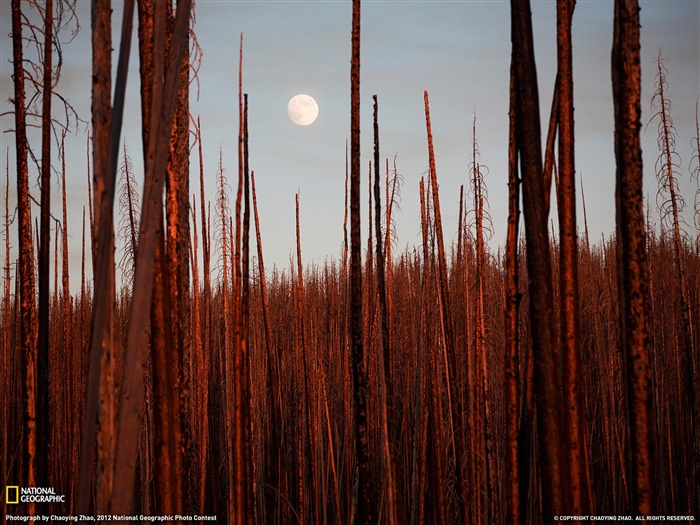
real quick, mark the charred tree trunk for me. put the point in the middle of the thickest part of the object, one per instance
(480, 337)
(100, 410)
(243, 366)
(42, 358)
(274, 389)
(672, 203)
(390, 434)
(575, 442)
(69, 349)
(162, 111)
(632, 260)
(28, 316)
(547, 375)
(512, 300)
(177, 258)
(367, 509)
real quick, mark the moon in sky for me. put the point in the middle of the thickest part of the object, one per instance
(302, 110)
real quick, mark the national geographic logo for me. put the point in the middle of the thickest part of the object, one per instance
(15, 494)
(11, 495)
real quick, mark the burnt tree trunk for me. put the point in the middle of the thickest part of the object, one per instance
(28, 316)
(366, 505)
(632, 259)
(162, 111)
(547, 366)
(391, 431)
(99, 416)
(575, 443)
(42, 358)
(512, 300)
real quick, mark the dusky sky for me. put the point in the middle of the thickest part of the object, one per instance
(459, 51)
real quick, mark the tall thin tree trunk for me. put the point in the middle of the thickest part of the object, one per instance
(27, 301)
(249, 478)
(93, 233)
(42, 359)
(225, 332)
(575, 442)
(456, 412)
(274, 388)
(165, 370)
(512, 300)
(307, 421)
(668, 183)
(632, 260)
(671, 208)
(9, 358)
(162, 112)
(204, 358)
(367, 508)
(389, 422)
(480, 338)
(68, 345)
(547, 375)
(177, 243)
(200, 386)
(99, 416)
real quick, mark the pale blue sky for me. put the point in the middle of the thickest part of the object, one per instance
(459, 51)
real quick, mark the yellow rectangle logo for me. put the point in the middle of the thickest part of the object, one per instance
(11, 495)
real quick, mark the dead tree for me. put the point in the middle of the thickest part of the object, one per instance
(27, 301)
(367, 508)
(456, 412)
(162, 112)
(632, 260)
(671, 204)
(390, 431)
(512, 300)
(575, 443)
(98, 425)
(177, 240)
(547, 366)
(42, 358)
(695, 172)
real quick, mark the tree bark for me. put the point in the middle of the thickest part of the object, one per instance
(632, 260)
(98, 423)
(547, 366)
(162, 112)
(28, 315)
(512, 300)
(575, 442)
(390, 434)
(366, 505)
(42, 360)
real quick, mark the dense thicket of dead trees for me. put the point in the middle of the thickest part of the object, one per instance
(412, 388)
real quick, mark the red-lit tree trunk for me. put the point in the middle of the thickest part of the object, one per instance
(69, 349)
(367, 511)
(632, 260)
(177, 240)
(28, 316)
(575, 442)
(547, 366)
(512, 300)
(162, 112)
(243, 350)
(454, 400)
(42, 358)
(390, 430)
(98, 426)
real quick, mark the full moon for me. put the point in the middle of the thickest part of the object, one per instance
(302, 110)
